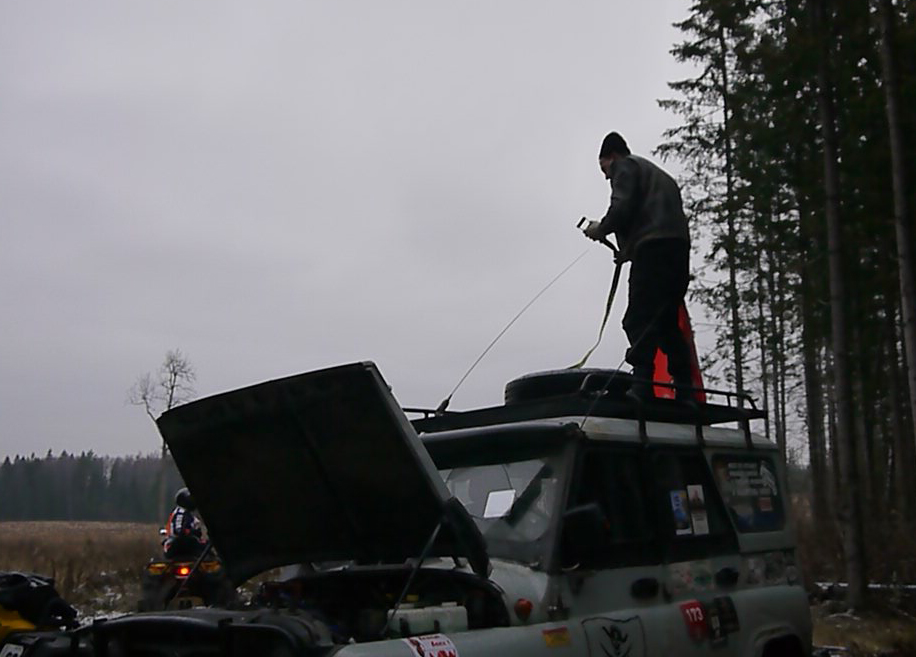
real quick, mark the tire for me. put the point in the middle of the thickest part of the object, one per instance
(785, 646)
(153, 593)
(224, 595)
(558, 383)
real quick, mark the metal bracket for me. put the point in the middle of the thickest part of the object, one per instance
(641, 420)
(701, 440)
(748, 439)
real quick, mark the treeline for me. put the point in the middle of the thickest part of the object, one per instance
(83, 487)
(794, 134)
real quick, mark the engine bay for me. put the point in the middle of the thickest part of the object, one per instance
(312, 613)
(358, 604)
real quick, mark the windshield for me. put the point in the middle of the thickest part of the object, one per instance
(508, 501)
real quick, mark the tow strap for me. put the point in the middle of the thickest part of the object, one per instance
(610, 302)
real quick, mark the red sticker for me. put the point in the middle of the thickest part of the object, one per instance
(432, 645)
(695, 619)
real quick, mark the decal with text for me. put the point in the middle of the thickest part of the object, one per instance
(432, 645)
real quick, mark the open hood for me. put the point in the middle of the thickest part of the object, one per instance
(323, 466)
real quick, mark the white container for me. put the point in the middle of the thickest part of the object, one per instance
(411, 621)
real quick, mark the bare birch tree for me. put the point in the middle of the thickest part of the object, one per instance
(171, 385)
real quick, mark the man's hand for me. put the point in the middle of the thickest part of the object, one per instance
(593, 231)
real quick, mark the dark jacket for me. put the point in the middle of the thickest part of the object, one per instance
(184, 535)
(183, 523)
(645, 205)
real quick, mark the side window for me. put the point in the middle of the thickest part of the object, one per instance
(751, 492)
(612, 483)
(691, 510)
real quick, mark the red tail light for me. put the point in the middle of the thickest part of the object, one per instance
(182, 570)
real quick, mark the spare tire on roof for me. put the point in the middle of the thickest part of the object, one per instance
(558, 383)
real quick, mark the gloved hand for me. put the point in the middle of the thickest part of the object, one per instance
(593, 231)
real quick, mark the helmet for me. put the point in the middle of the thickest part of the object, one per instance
(184, 500)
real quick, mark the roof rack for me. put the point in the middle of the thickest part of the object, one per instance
(597, 405)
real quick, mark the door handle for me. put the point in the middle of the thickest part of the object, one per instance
(727, 576)
(646, 587)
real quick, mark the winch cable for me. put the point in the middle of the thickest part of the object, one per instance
(445, 402)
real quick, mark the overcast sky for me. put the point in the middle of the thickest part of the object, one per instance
(281, 186)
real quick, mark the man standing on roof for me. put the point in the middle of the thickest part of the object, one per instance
(647, 217)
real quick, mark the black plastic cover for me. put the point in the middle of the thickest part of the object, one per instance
(211, 632)
(35, 599)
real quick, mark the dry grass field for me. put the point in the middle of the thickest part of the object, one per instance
(96, 565)
(879, 632)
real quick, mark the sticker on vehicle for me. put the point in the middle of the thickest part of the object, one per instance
(557, 637)
(768, 479)
(728, 615)
(615, 637)
(432, 645)
(775, 567)
(679, 508)
(690, 576)
(698, 518)
(680, 577)
(695, 619)
(756, 570)
(714, 625)
(702, 574)
(750, 489)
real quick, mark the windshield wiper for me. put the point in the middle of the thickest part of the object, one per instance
(528, 496)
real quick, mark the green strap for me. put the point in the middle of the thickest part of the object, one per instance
(607, 313)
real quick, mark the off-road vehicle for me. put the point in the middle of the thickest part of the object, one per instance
(567, 522)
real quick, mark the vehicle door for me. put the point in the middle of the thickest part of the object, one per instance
(770, 595)
(657, 580)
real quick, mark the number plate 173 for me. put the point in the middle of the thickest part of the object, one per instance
(695, 618)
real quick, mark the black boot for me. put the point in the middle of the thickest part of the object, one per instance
(682, 376)
(683, 389)
(641, 389)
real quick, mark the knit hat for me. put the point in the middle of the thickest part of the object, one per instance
(613, 143)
